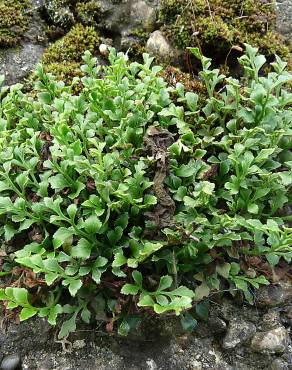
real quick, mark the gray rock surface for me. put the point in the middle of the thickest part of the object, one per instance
(274, 295)
(272, 341)
(157, 345)
(279, 364)
(11, 362)
(160, 47)
(284, 18)
(238, 332)
(17, 63)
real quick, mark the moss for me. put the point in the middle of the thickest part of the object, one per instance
(64, 57)
(88, 12)
(138, 46)
(174, 75)
(13, 21)
(217, 26)
(60, 13)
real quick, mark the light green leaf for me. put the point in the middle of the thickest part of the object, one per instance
(137, 276)
(72, 210)
(130, 289)
(74, 286)
(146, 301)
(92, 224)
(61, 235)
(82, 250)
(165, 282)
(202, 291)
(68, 326)
(27, 312)
(119, 259)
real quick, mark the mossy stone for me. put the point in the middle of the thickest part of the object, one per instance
(219, 26)
(13, 21)
(64, 57)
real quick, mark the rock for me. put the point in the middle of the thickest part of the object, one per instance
(271, 320)
(217, 325)
(143, 15)
(238, 332)
(279, 364)
(16, 64)
(273, 295)
(59, 15)
(272, 341)
(103, 49)
(196, 365)
(159, 46)
(151, 364)
(79, 343)
(284, 12)
(287, 316)
(11, 362)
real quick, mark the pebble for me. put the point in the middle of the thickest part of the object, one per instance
(272, 341)
(103, 49)
(11, 362)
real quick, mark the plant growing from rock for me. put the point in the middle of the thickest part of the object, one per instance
(132, 196)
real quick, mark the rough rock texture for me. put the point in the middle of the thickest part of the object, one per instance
(238, 332)
(159, 46)
(274, 295)
(159, 344)
(284, 18)
(272, 341)
(17, 63)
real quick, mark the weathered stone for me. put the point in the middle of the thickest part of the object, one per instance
(11, 362)
(160, 47)
(217, 325)
(272, 341)
(151, 364)
(279, 364)
(271, 319)
(284, 12)
(273, 295)
(196, 365)
(59, 14)
(143, 15)
(238, 332)
(16, 64)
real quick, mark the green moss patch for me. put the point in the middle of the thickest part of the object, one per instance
(219, 26)
(64, 57)
(13, 21)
